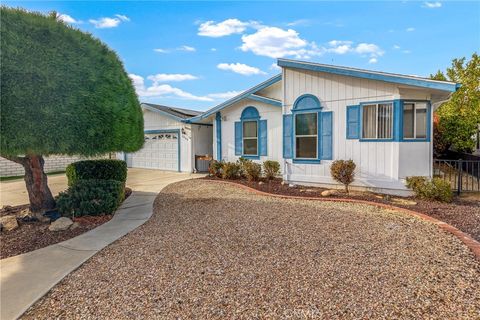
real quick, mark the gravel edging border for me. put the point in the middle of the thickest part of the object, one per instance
(471, 243)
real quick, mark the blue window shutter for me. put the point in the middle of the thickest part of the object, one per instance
(287, 136)
(327, 137)
(263, 137)
(238, 138)
(353, 122)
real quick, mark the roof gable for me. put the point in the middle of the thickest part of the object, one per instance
(178, 114)
(372, 75)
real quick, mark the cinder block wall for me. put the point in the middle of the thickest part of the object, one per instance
(52, 163)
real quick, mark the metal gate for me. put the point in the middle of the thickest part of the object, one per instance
(463, 175)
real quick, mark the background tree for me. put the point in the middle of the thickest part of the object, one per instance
(62, 92)
(458, 118)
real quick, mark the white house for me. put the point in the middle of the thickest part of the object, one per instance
(310, 115)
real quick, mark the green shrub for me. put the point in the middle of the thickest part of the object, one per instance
(103, 169)
(243, 162)
(434, 189)
(343, 171)
(215, 168)
(253, 171)
(271, 169)
(230, 170)
(91, 197)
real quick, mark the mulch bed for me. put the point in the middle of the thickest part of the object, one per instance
(461, 213)
(31, 236)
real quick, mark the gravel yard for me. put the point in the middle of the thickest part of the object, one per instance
(216, 251)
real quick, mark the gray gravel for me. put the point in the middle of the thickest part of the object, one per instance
(216, 251)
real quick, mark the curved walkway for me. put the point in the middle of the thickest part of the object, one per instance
(217, 251)
(27, 277)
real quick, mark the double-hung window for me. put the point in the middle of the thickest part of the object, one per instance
(377, 121)
(414, 120)
(306, 136)
(250, 138)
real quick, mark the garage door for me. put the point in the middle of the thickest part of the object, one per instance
(160, 151)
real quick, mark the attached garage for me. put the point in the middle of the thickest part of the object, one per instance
(160, 151)
(169, 141)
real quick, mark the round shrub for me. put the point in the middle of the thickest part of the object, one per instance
(435, 189)
(243, 162)
(230, 170)
(271, 169)
(91, 197)
(215, 168)
(102, 169)
(253, 171)
(343, 171)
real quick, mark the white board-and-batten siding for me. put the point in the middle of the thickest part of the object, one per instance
(230, 115)
(379, 164)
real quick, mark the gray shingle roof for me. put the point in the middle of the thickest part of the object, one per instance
(177, 112)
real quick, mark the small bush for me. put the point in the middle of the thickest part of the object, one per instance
(91, 197)
(253, 171)
(435, 189)
(230, 170)
(215, 168)
(103, 169)
(243, 162)
(271, 169)
(343, 171)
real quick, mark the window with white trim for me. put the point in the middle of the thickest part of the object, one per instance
(306, 135)
(414, 120)
(250, 138)
(377, 121)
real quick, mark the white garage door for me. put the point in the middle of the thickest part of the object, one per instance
(160, 151)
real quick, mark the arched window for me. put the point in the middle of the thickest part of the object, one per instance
(306, 111)
(250, 134)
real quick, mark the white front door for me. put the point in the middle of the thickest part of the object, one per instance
(160, 151)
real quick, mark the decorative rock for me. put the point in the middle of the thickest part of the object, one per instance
(329, 193)
(404, 202)
(74, 225)
(261, 182)
(291, 185)
(9, 223)
(60, 224)
(283, 183)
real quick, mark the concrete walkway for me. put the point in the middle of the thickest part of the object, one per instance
(27, 277)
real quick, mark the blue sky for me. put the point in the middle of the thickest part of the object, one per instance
(197, 54)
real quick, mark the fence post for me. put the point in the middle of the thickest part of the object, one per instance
(459, 172)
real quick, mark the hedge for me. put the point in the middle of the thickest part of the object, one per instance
(103, 169)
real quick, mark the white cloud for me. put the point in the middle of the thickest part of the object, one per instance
(240, 68)
(186, 48)
(299, 22)
(369, 49)
(432, 5)
(373, 60)
(275, 67)
(66, 18)
(410, 29)
(407, 51)
(181, 48)
(213, 49)
(107, 22)
(339, 46)
(275, 42)
(224, 95)
(396, 46)
(171, 77)
(163, 90)
(221, 29)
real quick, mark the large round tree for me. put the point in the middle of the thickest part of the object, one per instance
(62, 92)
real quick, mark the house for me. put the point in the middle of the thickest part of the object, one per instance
(170, 143)
(311, 114)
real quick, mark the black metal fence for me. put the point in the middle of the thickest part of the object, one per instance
(463, 175)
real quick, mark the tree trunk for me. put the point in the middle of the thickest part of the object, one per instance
(39, 193)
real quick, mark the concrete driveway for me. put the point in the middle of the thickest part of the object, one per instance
(14, 193)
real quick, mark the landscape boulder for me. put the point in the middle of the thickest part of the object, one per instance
(8, 223)
(60, 224)
(329, 193)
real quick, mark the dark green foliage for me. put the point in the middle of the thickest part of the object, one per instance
(242, 162)
(91, 197)
(63, 91)
(103, 169)
(343, 171)
(271, 169)
(253, 171)
(434, 189)
(215, 168)
(230, 170)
